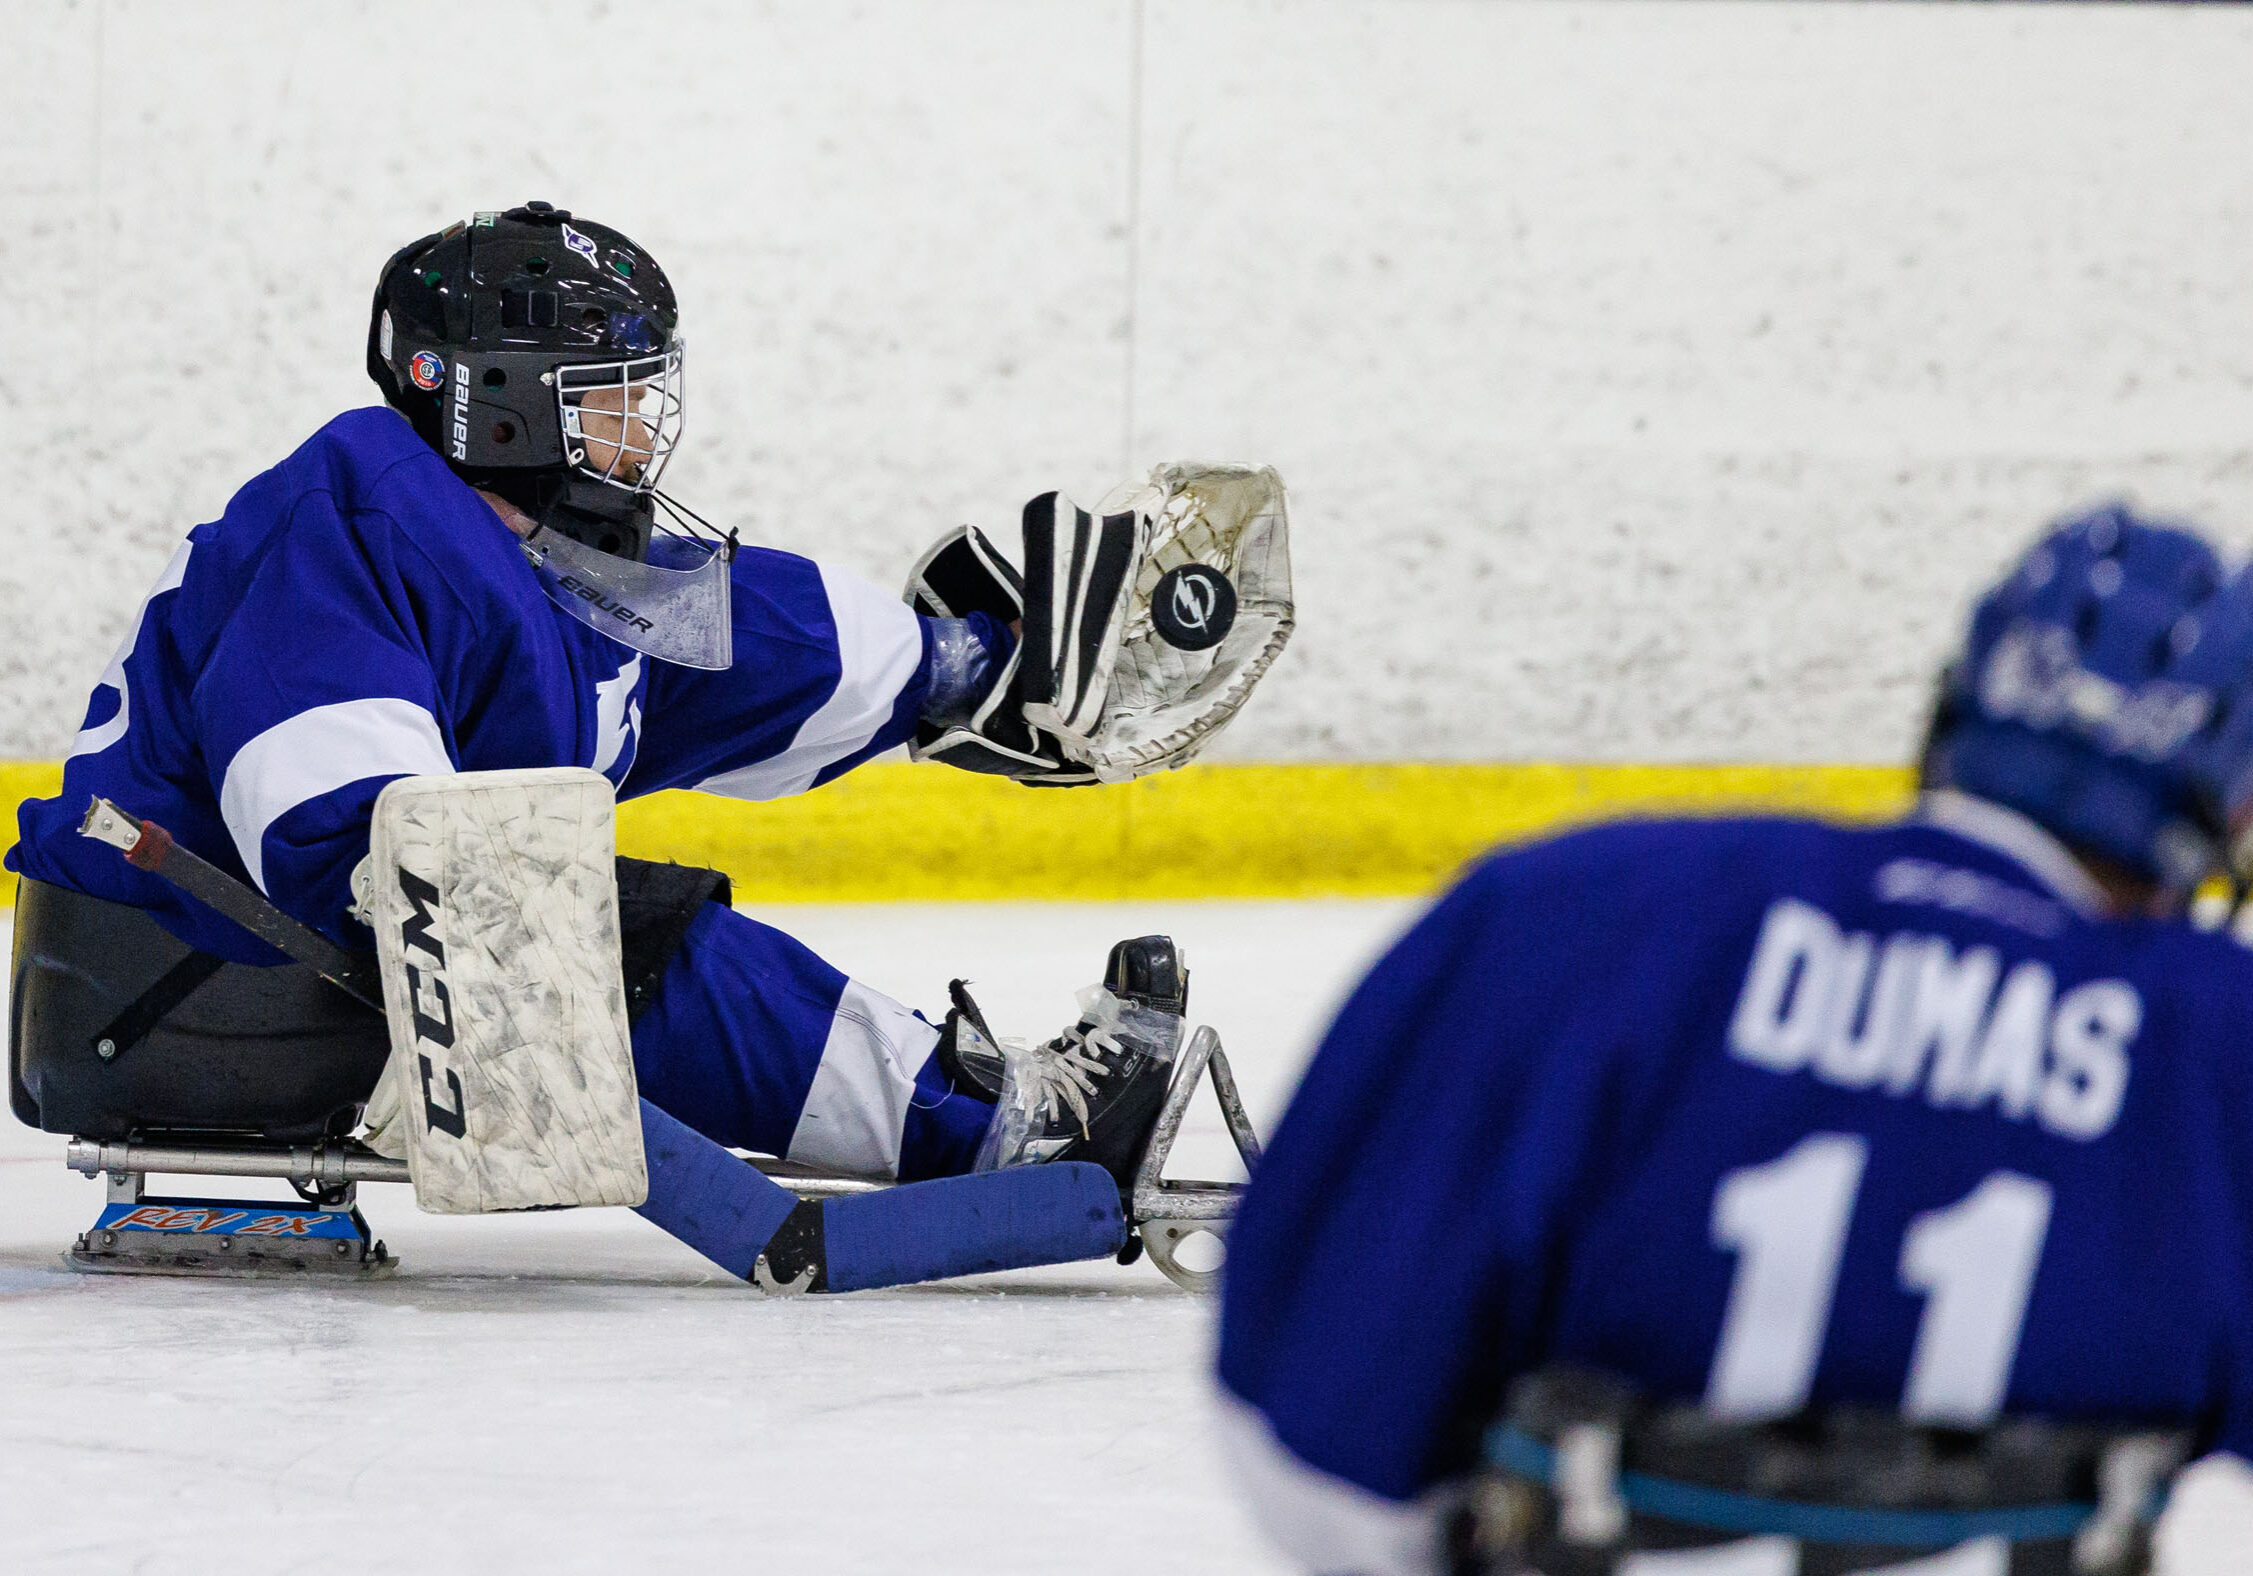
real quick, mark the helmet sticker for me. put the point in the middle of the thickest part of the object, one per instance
(2034, 676)
(484, 219)
(427, 369)
(584, 245)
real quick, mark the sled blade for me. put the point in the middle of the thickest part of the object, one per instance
(229, 1239)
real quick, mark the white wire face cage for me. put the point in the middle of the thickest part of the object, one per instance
(625, 414)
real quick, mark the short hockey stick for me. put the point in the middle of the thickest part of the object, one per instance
(150, 847)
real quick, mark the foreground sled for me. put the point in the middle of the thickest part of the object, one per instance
(146, 1087)
(848, 1234)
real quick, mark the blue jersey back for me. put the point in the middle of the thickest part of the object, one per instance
(358, 614)
(1763, 1113)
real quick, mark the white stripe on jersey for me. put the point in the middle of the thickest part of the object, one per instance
(856, 1110)
(1322, 1521)
(94, 740)
(318, 752)
(880, 649)
(2015, 837)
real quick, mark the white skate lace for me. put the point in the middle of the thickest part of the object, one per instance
(1065, 1073)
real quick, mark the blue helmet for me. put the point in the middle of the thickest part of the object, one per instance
(2106, 691)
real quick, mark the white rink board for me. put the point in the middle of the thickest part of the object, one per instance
(578, 1393)
(1653, 378)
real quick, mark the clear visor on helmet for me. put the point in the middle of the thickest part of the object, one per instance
(675, 607)
(621, 419)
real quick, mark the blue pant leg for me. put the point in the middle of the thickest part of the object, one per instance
(759, 1044)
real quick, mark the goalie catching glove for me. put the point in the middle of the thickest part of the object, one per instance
(1144, 629)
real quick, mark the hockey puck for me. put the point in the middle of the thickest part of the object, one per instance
(1193, 607)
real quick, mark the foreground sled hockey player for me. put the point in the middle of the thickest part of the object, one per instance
(1765, 1197)
(479, 576)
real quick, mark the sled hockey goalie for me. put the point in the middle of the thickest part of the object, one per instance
(331, 892)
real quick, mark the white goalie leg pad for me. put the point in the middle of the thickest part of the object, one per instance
(496, 922)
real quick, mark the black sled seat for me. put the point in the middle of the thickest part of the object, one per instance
(158, 1059)
(153, 1056)
(118, 1030)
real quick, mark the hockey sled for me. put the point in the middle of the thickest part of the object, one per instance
(137, 1047)
(840, 1238)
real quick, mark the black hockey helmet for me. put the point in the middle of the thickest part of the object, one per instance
(540, 355)
(514, 339)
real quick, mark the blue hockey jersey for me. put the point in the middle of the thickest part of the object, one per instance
(359, 614)
(1758, 1113)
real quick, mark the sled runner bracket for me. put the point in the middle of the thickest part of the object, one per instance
(344, 1164)
(318, 1165)
(1167, 1213)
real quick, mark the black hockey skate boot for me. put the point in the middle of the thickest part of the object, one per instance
(1093, 1093)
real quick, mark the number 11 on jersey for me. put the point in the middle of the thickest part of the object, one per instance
(1973, 1261)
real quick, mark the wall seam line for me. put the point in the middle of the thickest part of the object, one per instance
(101, 248)
(1133, 233)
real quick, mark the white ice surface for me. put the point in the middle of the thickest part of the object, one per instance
(577, 1392)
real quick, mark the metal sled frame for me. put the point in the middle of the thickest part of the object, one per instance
(327, 1234)
(1165, 1214)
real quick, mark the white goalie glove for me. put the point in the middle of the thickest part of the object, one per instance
(1207, 613)
(1145, 628)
